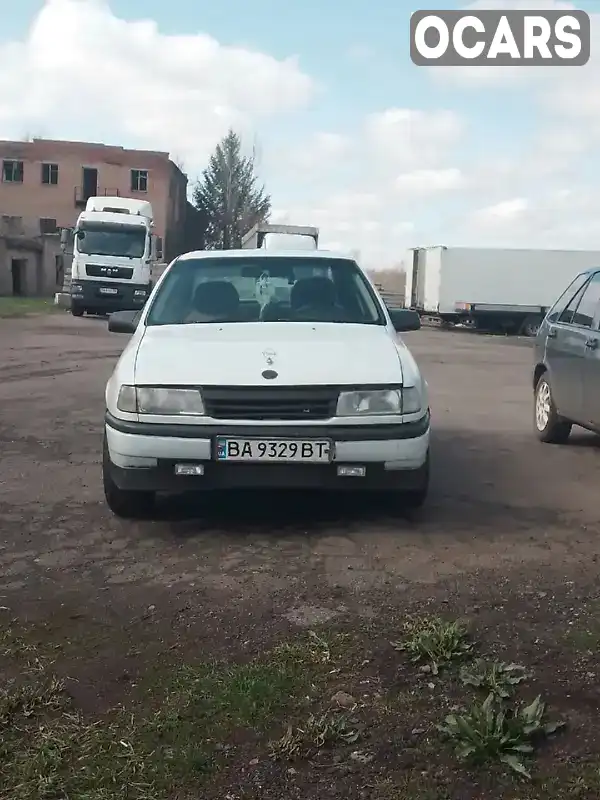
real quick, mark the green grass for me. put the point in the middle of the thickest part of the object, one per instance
(494, 731)
(305, 740)
(21, 306)
(434, 643)
(493, 677)
(188, 729)
(174, 737)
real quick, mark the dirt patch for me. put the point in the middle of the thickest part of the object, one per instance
(163, 657)
(140, 703)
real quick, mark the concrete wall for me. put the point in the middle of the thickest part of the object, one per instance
(38, 259)
(33, 200)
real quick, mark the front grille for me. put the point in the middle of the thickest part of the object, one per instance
(273, 403)
(98, 271)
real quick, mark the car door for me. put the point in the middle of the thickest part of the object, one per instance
(564, 351)
(591, 359)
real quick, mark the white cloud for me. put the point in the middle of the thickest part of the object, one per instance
(397, 155)
(409, 138)
(501, 213)
(429, 181)
(80, 65)
(317, 154)
(562, 218)
(353, 222)
(439, 180)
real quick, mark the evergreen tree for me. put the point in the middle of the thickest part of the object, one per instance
(229, 197)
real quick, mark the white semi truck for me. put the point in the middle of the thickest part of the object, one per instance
(281, 237)
(114, 251)
(494, 289)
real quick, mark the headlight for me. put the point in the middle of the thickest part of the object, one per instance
(383, 401)
(378, 402)
(158, 400)
(412, 402)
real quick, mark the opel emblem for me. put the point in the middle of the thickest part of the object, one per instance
(269, 356)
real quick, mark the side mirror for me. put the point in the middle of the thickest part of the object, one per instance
(404, 319)
(80, 234)
(123, 321)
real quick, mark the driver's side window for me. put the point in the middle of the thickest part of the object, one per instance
(572, 291)
(568, 313)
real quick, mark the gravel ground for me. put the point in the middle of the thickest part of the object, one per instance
(508, 542)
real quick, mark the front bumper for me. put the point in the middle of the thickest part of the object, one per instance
(142, 456)
(91, 296)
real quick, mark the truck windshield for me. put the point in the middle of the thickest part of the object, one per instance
(265, 289)
(112, 240)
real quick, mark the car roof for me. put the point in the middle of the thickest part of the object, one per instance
(260, 253)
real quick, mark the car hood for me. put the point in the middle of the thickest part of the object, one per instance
(237, 354)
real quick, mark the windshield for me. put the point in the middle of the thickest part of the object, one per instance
(112, 240)
(269, 289)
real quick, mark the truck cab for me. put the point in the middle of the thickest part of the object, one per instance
(114, 250)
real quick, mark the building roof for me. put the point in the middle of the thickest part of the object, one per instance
(40, 149)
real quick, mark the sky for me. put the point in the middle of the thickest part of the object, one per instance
(349, 134)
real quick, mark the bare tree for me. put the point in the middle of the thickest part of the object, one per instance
(228, 195)
(179, 163)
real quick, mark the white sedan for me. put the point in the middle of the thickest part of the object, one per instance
(253, 368)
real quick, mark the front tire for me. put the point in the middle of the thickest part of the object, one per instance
(550, 427)
(124, 503)
(77, 311)
(415, 498)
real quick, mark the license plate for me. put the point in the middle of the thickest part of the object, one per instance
(106, 290)
(269, 450)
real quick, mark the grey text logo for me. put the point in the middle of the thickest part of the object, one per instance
(458, 38)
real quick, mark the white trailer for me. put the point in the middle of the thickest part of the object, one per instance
(493, 289)
(281, 237)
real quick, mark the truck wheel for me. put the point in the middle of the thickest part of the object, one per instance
(531, 325)
(77, 311)
(550, 427)
(124, 503)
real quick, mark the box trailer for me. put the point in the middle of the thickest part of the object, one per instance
(281, 237)
(493, 289)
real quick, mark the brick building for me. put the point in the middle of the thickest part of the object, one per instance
(47, 184)
(31, 264)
